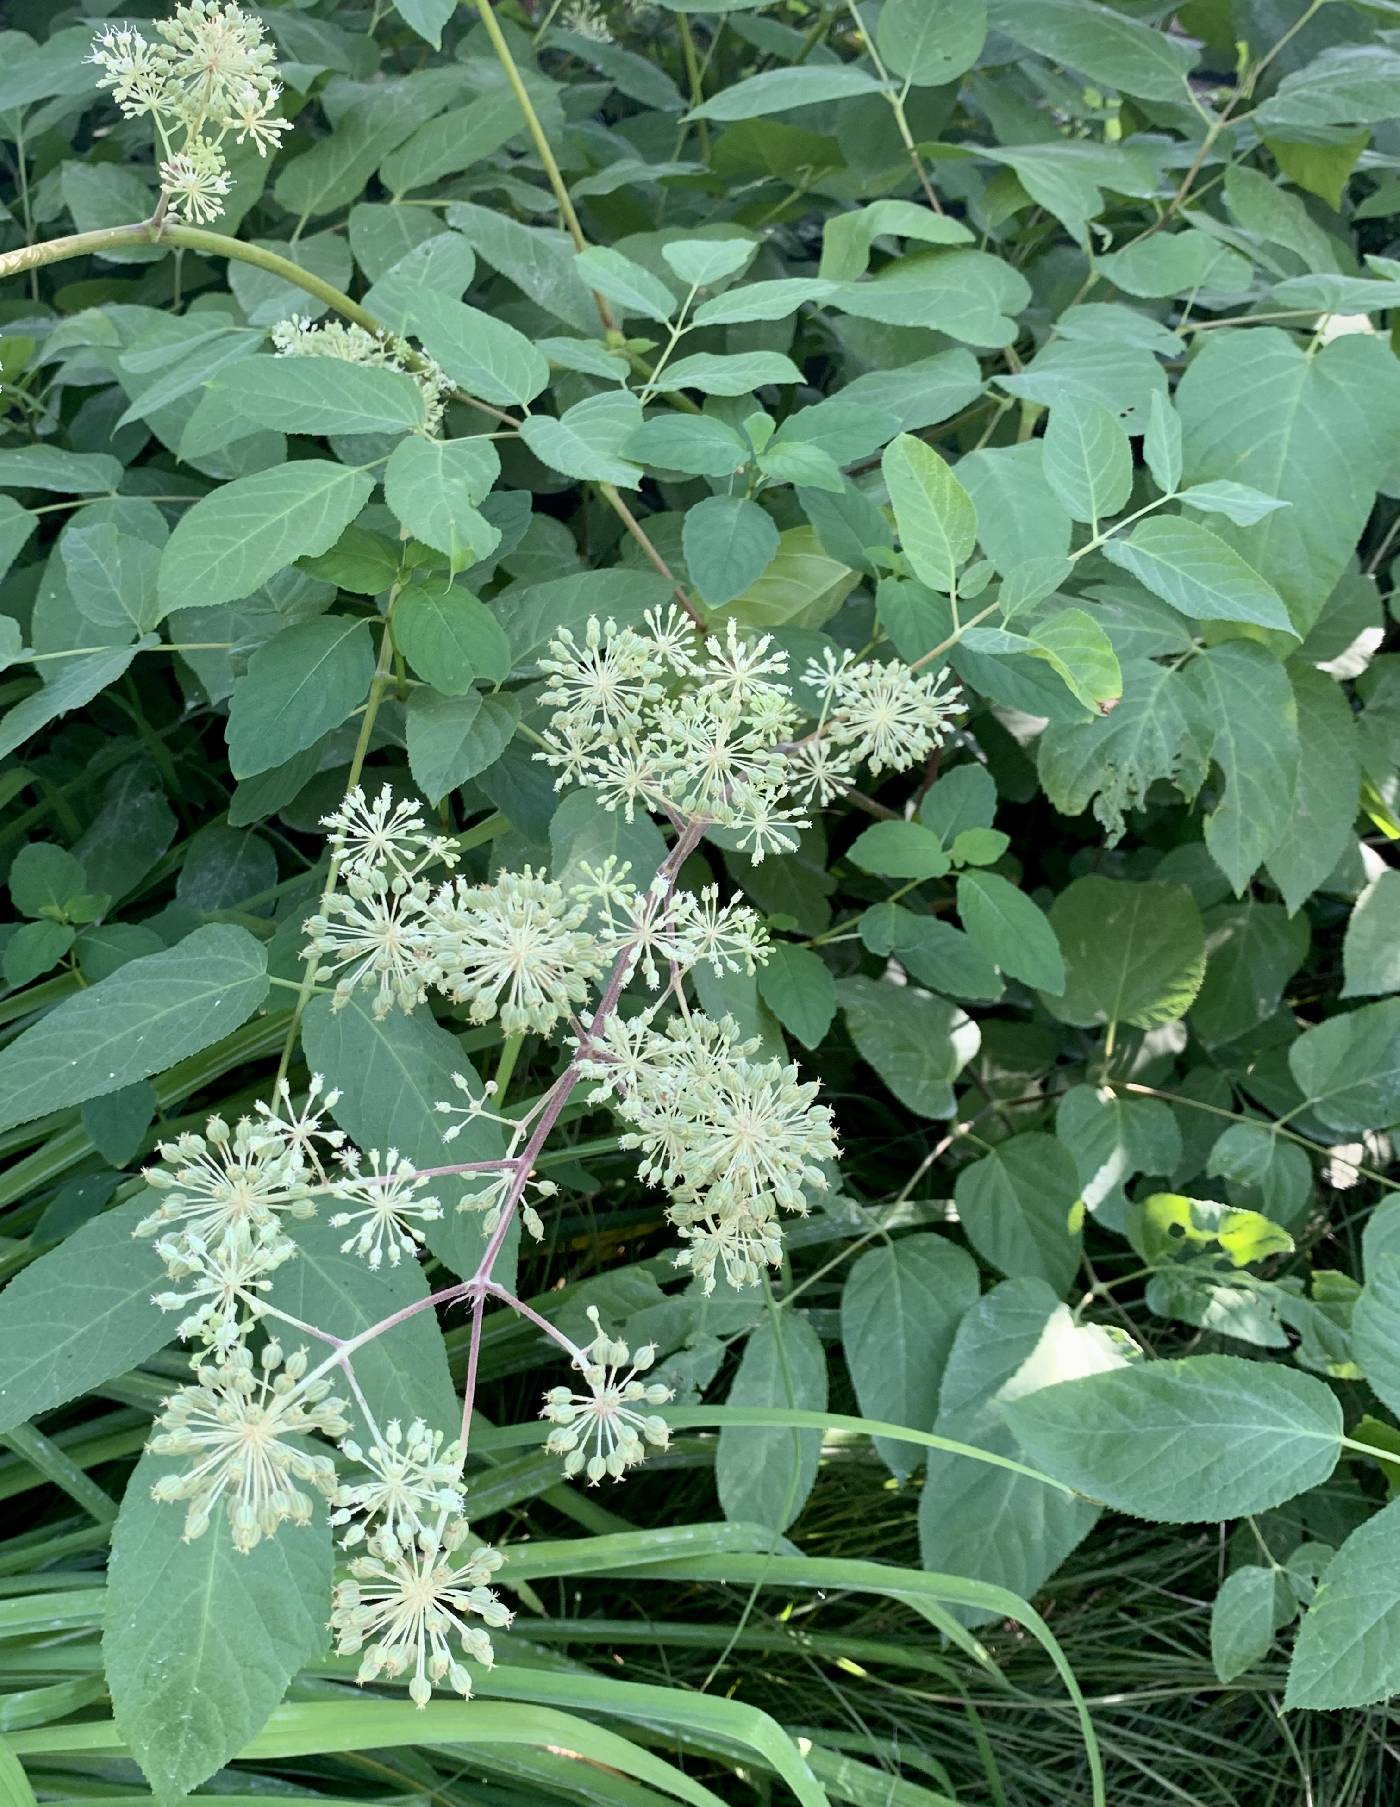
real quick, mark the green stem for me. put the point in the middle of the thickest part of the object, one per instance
(212, 244)
(542, 146)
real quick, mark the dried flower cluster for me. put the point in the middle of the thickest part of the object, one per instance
(207, 77)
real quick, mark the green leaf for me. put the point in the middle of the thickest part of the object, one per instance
(149, 1014)
(1133, 953)
(184, 1700)
(43, 877)
(737, 373)
(488, 357)
(1371, 950)
(779, 90)
(33, 949)
(78, 682)
(318, 395)
(633, 289)
(1348, 1648)
(692, 443)
(1101, 43)
(453, 738)
(1010, 930)
(934, 513)
(1161, 444)
(335, 170)
(1252, 951)
(917, 1044)
(1087, 459)
(79, 1314)
(427, 17)
(900, 1307)
(1318, 828)
(112, 576)
(899, 850)
(587, 440)
(1246, 695)
(454, 141)
(1236, 501)
(235, 539)
(1316, 432)
(764, 1476)
(391, 1076)
(933, 952)
(433, 486)
(1348, 1068)
(728, 543)
(930, 42)
(1016, 1205)
(802, 587)
(1204, 1438)
(1342, 84)
(51, 467)
(451, 639)
(298, 686)
(1196, 572)
(1251, 1606)
(992, 1523)
(762, 301)
(702, 262)
(532, 614)
(796, 985)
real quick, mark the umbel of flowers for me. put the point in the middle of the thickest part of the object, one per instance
(706, 734)
(206, 78)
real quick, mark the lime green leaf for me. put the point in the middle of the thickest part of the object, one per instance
(1133, 953)
(451, 639)
(1207, 1437)
(1170, 1220)
(236, 538)
(298, 686)
(142, 1019)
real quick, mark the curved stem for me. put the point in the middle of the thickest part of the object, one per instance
(212, 244)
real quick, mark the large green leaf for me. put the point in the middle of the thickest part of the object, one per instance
(236, 538)
(199, 1642)
(140, 1020)
(917, 1044)
(779, 90)
(1133, 953)
(1011, 930)
(1348, 1649)
(1348, 1068)
(488, 357)
(1197, 572)
(728, 543)
(1207, 1437)
(319, 395)
(1246, 695)
(934, 513)
(79, 1315)
(1017, 1205)
(298, 686)
(764, 1476)
(899, 1309)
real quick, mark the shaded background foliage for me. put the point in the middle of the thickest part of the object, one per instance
(1105, 1002)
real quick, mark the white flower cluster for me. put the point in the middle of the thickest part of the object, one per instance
(712, 733)
(733, 1140)
(297, 337)
(602, 1432)
(208, 76)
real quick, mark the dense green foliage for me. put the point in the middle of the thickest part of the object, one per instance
(1040, 343)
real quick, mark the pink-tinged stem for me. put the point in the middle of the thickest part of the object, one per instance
(473, 1357)
(571, 1348)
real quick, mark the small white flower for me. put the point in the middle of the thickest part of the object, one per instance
(300, 1131)
(414, 1478)
(406, 1609)
(374, 935)
(235, 1425)
(225, 1182)
(388, 1200)
(388, 832)
(601, 1432)
(195, 182)
(221, 1282)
